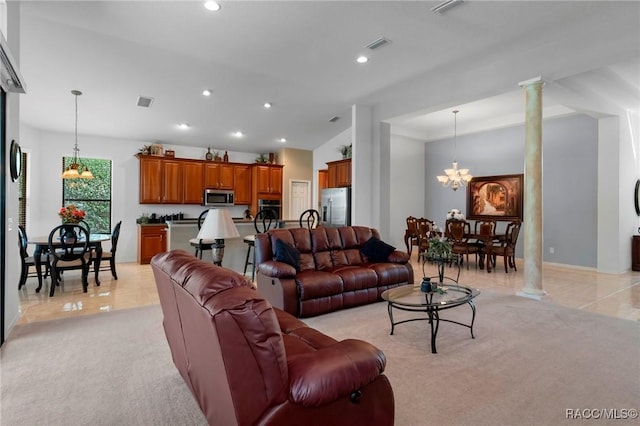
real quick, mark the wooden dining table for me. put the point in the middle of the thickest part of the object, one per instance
(42, 247)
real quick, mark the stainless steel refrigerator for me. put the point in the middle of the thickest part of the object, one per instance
(335, 207)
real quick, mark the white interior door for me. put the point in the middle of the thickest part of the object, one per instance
(300, 199)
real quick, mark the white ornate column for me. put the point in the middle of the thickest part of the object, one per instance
(532, 224)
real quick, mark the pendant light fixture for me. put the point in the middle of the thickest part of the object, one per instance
(76, 170)
(455, 177)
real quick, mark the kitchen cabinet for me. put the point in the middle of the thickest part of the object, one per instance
(218, 175)
(193, 175)
(172, 181)
(183, 181)
(160, 180)
(323, 182)
(266, 184)
(150, 180)
(268, 179)
(339, 173)
(242, 184)
(152, 239)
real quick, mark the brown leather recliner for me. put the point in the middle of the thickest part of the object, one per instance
(248, 363)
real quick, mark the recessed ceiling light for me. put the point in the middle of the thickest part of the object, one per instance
(268, 105)
(206, 92)
(362, 59)
(282, 140)
(183, 126)
(213, 6)
(237, 134)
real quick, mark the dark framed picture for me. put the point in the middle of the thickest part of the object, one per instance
(15, 160)
(495, 197)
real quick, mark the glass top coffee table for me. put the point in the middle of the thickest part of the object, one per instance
(446, 296)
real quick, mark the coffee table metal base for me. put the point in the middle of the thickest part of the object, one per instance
(433, 316)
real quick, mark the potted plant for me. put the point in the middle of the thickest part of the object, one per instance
(262, 158)
(71, 214)
(216, 156)
(345, 150)
(145, 150)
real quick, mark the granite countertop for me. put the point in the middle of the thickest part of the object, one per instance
(195, 220)
(236, 220)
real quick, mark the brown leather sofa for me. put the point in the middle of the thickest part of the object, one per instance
(248, 363)
(333, 273)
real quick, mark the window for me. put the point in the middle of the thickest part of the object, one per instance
(91, 195)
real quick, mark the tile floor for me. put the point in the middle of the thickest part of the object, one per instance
(613, 295)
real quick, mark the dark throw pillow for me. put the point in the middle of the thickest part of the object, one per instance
(376, 250)
(287, 254)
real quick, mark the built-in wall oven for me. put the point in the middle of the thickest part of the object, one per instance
(271, 204)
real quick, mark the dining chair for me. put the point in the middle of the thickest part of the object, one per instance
(458, 233)
(110, 255)
(507, 246)
(310, 218)
(483, 230)
(201, 244)
(264, 220)
(411, 237)
(425, 228)
(85, 225)
(27, 261)
(69, 249)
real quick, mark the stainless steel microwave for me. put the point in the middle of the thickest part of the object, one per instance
(217, 197)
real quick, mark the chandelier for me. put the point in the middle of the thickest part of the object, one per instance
(76, 170)
(455, 177)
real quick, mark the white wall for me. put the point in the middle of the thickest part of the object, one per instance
(407, 181)
(329, 151)
(570, 181)
(45, 151)
(571, 203)
(11, 308)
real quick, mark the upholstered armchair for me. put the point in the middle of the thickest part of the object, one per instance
(248, 363)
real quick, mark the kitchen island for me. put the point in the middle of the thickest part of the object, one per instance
(179, 232)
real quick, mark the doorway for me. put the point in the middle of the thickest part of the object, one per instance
(300, 199)
(3, 211)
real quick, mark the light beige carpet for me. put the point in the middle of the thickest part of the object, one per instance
(529, 363)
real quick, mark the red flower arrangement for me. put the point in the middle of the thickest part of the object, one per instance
(71, 214)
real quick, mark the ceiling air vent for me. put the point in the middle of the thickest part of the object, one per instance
(446, 5)
(378, 43)
(334, 119)
(144, 101)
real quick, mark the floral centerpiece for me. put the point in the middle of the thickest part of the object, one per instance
(439, 246)
(438, 252)
(455, 214)
(71, 214)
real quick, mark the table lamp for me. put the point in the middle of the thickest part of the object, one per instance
(217, 226)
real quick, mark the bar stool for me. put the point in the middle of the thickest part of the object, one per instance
(310, 218)
(201, 244)
(264, 220)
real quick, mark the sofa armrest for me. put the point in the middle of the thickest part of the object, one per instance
(275, 269)
(323, 376)
(398, 256)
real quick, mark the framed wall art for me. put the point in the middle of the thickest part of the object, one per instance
(495, 197)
